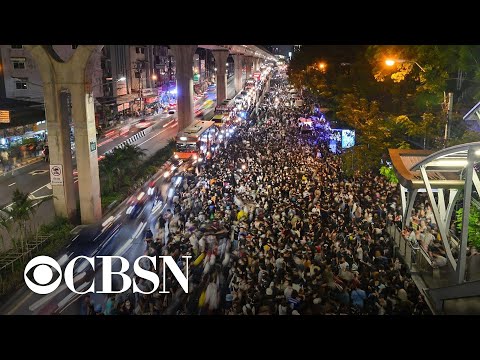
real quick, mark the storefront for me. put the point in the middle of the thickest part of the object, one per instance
(26, 121)
(124, 104)
(151, 104)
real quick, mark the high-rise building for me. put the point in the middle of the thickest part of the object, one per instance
(21, 78)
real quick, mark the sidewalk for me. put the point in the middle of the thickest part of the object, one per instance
(20, 164)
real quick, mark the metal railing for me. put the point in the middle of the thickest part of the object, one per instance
(9, 259)
(438, 284)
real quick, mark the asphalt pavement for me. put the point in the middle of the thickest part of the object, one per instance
(127, 241)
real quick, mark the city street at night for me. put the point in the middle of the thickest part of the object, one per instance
(240, 180)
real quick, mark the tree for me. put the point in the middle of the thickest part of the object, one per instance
(119, 168)
(5, 225)
(473, 225)
(21, 211)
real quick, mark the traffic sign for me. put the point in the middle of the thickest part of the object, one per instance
(56, 174)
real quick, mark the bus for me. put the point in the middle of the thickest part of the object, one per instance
(219, 120)
(224, 109)
(196, 140)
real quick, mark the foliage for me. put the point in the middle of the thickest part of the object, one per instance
(108, 199)
(123, 169)
(18, 215)
(389, 173)
(6, 224)
(59, 230)
(467, 136)
(119, 168)
(473, 225)
(392, 106)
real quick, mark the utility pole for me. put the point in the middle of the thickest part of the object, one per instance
(139, 66)
(449, 109)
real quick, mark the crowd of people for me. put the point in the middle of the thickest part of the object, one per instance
(275, 227)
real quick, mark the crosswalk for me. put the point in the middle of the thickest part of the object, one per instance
(130, 140)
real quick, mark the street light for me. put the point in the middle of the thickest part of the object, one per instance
(322, 66)
(391, 62)
(154, 77)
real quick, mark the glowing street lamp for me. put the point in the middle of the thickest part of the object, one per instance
(391, 62)
(322, 66)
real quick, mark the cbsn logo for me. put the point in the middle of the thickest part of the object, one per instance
(43, 274)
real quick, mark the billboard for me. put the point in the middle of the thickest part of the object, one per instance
(348, 138)
(341, 139)
(335, 140)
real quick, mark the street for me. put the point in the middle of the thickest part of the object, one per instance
(127, 241)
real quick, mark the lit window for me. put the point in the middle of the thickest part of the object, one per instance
(21, 84)
(18, 63)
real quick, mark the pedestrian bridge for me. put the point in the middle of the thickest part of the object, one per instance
(448, 177)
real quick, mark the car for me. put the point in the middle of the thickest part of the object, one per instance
(171, 112)
(136, 205)
(87, 240)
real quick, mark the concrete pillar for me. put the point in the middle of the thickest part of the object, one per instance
(256, 64)
(74, 76)
(248, 67)
(238, 60)
(83, 114)
(65, 198)
(184, 63)
(221, 65)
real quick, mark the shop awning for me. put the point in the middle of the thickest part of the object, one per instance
(126, 98)
(22, 112)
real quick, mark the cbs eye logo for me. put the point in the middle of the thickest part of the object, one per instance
(42, 274)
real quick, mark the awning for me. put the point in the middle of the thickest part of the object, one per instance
(126, 98)
(21, 112)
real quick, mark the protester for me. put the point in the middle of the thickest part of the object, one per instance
(274, 226)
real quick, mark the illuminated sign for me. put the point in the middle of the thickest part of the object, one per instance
(4, 116)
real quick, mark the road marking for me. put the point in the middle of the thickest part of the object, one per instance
(15, 308)
(152, 137)
(33, 197)
(38, 172)
(139, 229)
(49, 186)
(50, 296)
(123, 248)
(67, 298)
(11, 184)
(21, 167)
(40, 188)
(154, 211)
(105, 142)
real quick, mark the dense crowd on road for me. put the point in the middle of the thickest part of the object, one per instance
(275, 227)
